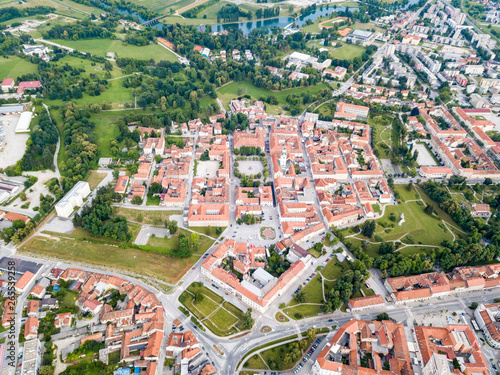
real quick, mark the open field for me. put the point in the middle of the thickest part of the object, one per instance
(114, 94)
(417, 229)
(330, 23)
(145, 217)
(67, 8)
(222, 318)
(95, 179)
(151, 264)
(347, 52)
(99, 47)
(163, 6)
(313, 290)
(172, 243)
(13, 67)
(381, 126)
(231, 90)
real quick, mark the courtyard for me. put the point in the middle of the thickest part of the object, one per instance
(207, 169)
(250, 167)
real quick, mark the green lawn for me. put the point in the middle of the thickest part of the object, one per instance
(275, 355)
(226, 319)
(421, 227)
(13, 67)
(405, 194)
(114, 94)
(313, 290)
(347, 52)
(99, 47)
(172, 243)
(380, 124)
(255, 363)
(234, 90)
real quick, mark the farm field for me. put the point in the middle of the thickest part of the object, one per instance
(67, 8)
(13, 67)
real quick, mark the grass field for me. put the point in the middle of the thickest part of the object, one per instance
(145, 217)
(347, 52)
(380, 124)
(95, 179)
(66, 8)
(141, 262)
(221, 317)
(172, 243)
(99, 47)
(313, 290)
(13, 67)
(255, 363)
(275, 355)
(115, 94)
(418, 228)
(230, 92)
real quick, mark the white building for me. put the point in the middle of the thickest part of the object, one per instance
(74, 198)
(437, 365)
(23, 124)
(488, 318)
(32, 357)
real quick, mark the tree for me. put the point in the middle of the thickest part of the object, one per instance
(383, 316)
(488, 181)
(300, 297)
(194, 238)
(473, 305)
(368, 228)
(46, 370)
(172, 226)
(198, 297)
(247, 319)
(311, 332)
(318, 246)
(429, 209)
(137, 200)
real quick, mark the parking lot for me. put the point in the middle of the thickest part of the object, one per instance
(13, 145)
(424, 158)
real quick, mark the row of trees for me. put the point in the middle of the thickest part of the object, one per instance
(41, 145)
(80, 30)
(10, 13)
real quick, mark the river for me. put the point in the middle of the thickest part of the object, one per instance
(280, 22)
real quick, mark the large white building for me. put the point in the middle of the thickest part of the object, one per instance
(32, 357)
(23, 123)
(74, 198)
